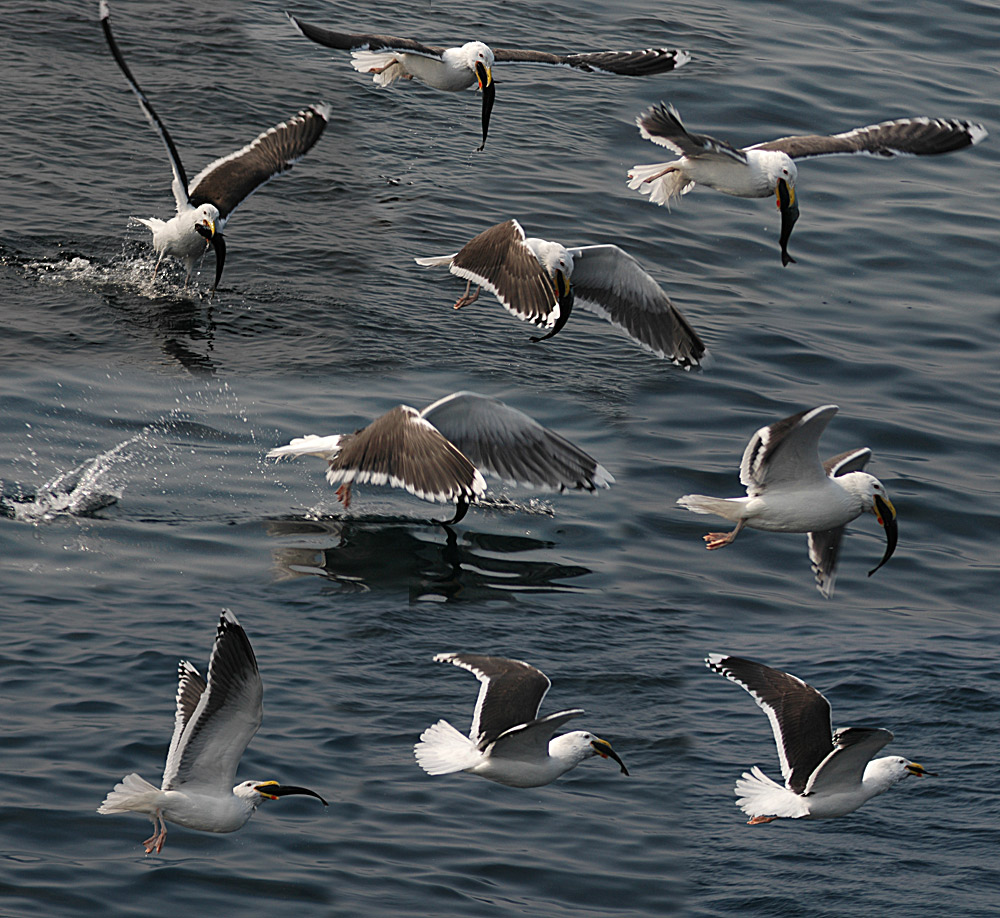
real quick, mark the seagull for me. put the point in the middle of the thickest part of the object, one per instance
(471, 64)
(437, 454)
(826, 774)
(205, 205)
(508, 743)
(540, 282)
(789, 490)
(213, 724)
(769, 168)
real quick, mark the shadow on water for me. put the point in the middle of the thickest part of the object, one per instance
(436, 564)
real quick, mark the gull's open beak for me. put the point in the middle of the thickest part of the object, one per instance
(604, 750)
(785, 194)
(885, 513)
(488, 87)
(218, 243)
(565, 295)
(273, 790)
(914, 769)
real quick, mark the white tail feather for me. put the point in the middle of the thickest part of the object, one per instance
(720, 506)
(660, 190)
(132, 794)
(435, 261)
(311, 445)
(442, 750)
(758, 795)
(367, 61)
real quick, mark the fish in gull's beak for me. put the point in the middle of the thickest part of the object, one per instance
(785, 194)
(218, 243)
(604, 750)
(273, 790)
(565, 295)
(485, 77)
(885, 513)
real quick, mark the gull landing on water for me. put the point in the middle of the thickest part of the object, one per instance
(205, 205)
(540, 281)
(437, 454)
(451, 69)
(769, 168)
(215, 721)
(789, 490)
(508, 742)
(826, 774)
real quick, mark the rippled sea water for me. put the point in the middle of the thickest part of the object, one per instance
(138, 502)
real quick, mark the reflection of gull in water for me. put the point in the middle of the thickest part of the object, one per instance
(79, 492)
(387, 556)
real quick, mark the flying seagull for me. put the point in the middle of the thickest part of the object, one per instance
(540, 282)
(769, 168)
(508, 742)
(205, 205)
(440, 453)
(471, 64)
(826, 774)
(790, 490)
(215, 721)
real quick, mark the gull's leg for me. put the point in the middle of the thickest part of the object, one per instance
(159, 836)
(155, 269)
(653, 178)
(718, 539)
(344, 494)
(465, 299)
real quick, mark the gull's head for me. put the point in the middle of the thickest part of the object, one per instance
(557, 261)
(478, 57)
(205, 218)
(256, 791)
(580, 745)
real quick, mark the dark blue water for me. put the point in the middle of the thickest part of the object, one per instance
(139, 420)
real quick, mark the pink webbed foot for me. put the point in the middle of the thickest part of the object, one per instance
(718, 539)
(760, 820)
(344, 495)
(465, 299)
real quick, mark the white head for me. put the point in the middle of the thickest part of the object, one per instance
(253, 792)
(207, 215)
(777, 165)
(476, 52)
(883, 773)
(579, 745)
(552, 256)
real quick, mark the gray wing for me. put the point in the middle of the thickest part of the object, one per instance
(510, 693)
(206, 751)
(348, 41)
(624, 63)
(507, 444)
(903, 137)
(609, 282)
(843, 769)
(402, 450)
(230, 180)
(799, 715)
(824, 545)
(531, 740)
(662, 125)
(786, 452)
